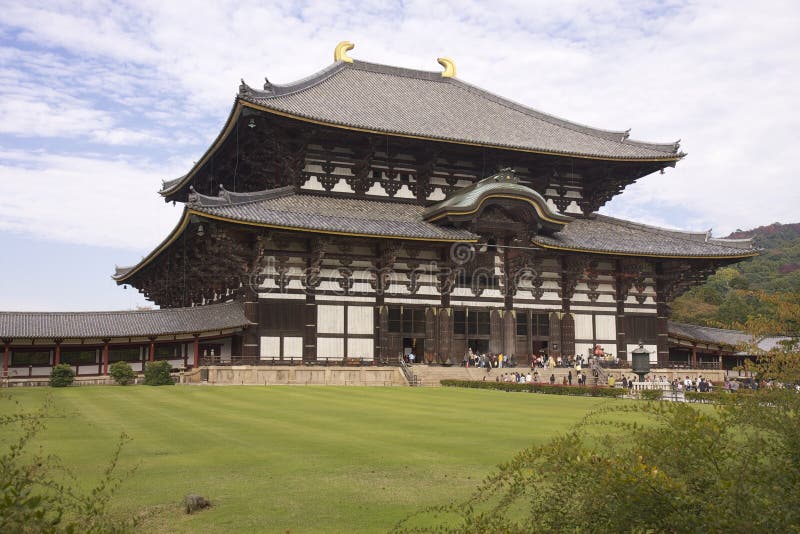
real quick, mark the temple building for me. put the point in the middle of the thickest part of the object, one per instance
(366, 211)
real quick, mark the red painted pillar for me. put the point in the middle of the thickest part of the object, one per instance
(105, 356)
(196, 351)
(152, 349)
(6, 344)
(58, 352)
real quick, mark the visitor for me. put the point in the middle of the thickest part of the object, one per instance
(411, 357)
(569, 377)
(552, 379)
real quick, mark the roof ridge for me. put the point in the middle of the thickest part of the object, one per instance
(119, 312)
(680, 234)
(731, 330)
(619, 136)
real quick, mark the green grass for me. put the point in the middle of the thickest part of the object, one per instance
(304, 459)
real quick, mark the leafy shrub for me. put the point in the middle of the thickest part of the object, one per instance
(645, 467)
(581, 391)
(122, 373)
(157, 374)
(62, 376)
(651, 394)
(34, 495)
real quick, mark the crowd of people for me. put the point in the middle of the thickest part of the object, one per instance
(533, 377)
(536, 361)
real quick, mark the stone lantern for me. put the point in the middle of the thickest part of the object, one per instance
(640, 361)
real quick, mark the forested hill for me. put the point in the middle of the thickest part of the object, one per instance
(726, 297)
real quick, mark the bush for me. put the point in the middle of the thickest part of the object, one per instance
(122, 373)
(157, 374)
(62, 376)
(581, 391)
(646, 467)
(651, 394)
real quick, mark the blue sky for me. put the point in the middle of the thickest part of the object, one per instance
(100, 101)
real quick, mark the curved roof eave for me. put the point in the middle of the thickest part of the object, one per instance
(260, 107)
(124, 273)
(173, 186)
(646, 254)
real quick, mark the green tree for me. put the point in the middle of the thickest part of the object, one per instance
(658, 466)
(157, 374)
(122, 373)
(62, 375)
(38, 494)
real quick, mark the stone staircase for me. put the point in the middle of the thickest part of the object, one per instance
(432, 375)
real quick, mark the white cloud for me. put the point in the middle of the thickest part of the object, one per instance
(82, 199)
(160, 76)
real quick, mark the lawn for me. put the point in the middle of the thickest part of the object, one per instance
(299, 459)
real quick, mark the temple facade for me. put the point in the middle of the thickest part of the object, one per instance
(368, 210)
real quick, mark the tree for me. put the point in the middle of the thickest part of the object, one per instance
(62, 375)
(36, 492)
(657, 466)
(157, 374)
(122, 373)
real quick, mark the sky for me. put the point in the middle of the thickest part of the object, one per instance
(101, 101)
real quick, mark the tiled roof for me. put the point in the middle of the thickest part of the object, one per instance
(114, 324)
(610, 235)
(380, 98)
(468, 200)
(719, 336)
(286, 209)
(309, 212)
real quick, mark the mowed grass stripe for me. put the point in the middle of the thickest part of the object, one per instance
(308, 459)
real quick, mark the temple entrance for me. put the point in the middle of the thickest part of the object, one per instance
(415, 345)
(479, 346)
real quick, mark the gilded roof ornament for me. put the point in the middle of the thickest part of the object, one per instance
(449, 67)
(340, 52)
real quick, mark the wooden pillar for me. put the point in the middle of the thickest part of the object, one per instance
(196, 344)
(6, 348)
(105, 356)
(509, 333)
(694, 356)
(445, 336)
(662, 327)
(620, 294)
(250, 337)
(57, 359)
(152, 353)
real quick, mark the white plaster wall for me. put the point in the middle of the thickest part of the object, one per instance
(342, 187)
(270, 347)
(359, 320)
(582, 349)
(313, 184)
(436, 195)
(360, 348)
(292, 347)
(583, 326)
(330, 348)
(330, 319)
(404, 192)
(606, 326)
(377, 190)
